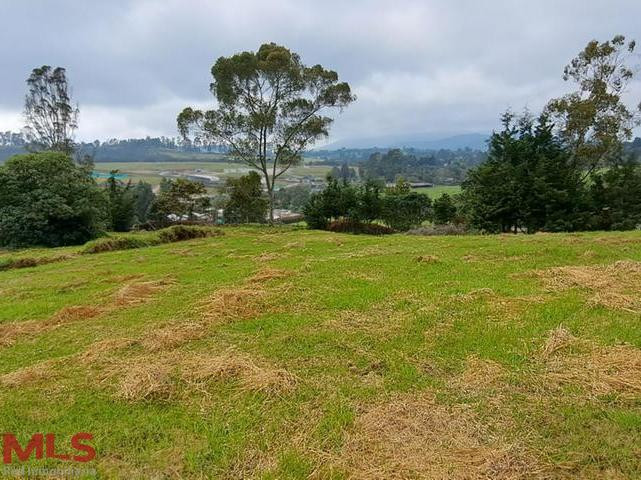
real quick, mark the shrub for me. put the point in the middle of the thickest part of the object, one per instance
(45, 199)
(178, 233)
(112, 244)
(444, 210)
(27, 262)
(247, 203)
(404, 211)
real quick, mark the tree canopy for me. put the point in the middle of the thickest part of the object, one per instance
(270, 108)
(45, 199)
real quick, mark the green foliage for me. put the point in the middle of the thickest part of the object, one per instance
(179, 233)
(443, 166)
(51, 117)
(347, 225)
(122, 204)
(175, 233)
(293, 198)
(615, 197)
(112, 244)
(402, 211)
(528, 182)
(593, 121)
(246, 203)
(336, 201)
(344, 173)
(47, 200)
(270, 109)
(444, 210)
(144, 197)
(180, 200)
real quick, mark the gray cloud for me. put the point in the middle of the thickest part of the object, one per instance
(416, 66)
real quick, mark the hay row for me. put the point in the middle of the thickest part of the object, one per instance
(131, 294)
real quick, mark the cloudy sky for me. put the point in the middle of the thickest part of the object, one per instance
(439, 67)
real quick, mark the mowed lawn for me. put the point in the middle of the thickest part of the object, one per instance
(287, 353)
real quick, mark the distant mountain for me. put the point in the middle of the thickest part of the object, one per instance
(475, 141)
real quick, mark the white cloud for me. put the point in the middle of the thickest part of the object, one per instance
(416, 65)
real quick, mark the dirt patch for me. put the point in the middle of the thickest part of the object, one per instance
(613, 286)
(476, 294)
(601, 370)
(416, 437)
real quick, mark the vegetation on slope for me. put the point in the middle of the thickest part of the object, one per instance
(285, 353)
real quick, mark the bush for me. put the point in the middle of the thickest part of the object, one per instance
(404, 211)
(27, 262)
(176, 233)
(47, 200)
(247, 203)
(112, 244)
(444, 210)
(179, 233)
(351, 226)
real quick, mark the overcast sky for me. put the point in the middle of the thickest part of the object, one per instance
(431, 66)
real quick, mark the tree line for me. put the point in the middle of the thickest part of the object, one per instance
(569, 168)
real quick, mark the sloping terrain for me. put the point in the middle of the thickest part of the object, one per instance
(286, 353)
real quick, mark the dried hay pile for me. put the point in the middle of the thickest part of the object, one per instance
(613, 286)
(162, 377)
(416, 437)
(601, 370)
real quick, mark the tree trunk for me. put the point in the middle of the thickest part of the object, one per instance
(270, 191)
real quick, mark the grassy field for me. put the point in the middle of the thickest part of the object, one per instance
(286, 353)
(438, 190)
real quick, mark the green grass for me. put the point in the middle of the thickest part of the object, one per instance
(438, 190)
(357, 321)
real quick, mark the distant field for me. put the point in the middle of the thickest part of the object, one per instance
(438, 190)
(150, 171)
(286, 353)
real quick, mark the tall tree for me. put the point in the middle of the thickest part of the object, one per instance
(121, 203)
(270, 109)
(51, 119)
(593, 121)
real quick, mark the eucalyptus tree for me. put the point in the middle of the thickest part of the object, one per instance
(270, 109)
(51, 118)
(594, 121)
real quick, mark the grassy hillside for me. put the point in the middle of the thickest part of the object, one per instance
(284, 353)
